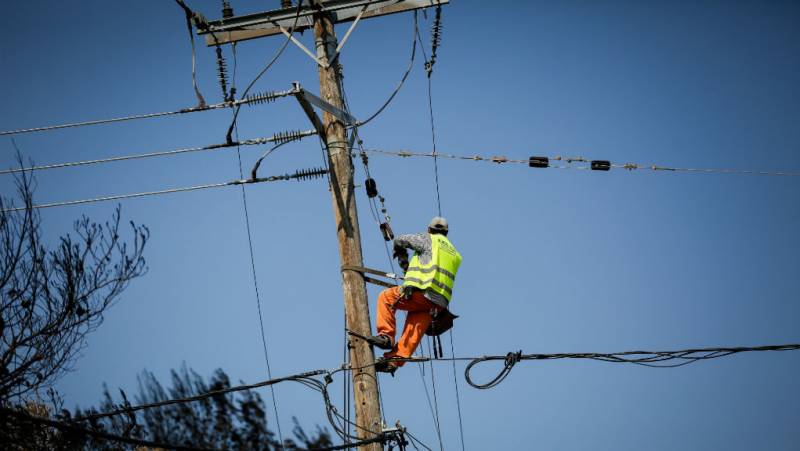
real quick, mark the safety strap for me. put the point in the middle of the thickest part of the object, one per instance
(363, 270)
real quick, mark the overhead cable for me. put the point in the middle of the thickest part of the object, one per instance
(190, 15)
(278, 53)
(229, 12)
(405, 75)
(654, 359)
(75, 429)
(567, 163)
(255, 99)
(299, 175)
(435, 39)
(280, 138)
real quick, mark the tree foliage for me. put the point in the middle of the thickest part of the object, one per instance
(236, 420)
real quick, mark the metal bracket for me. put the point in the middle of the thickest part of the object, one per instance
(347, 35)
(318, 60)
(308, 101)
(300, 45)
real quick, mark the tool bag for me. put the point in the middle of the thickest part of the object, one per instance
(441, 322)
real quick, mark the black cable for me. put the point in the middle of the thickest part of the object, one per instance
(568, 163)
(510, 360)
(647, 358)
(414, 439)
(429, 69)
(252, 257)
(435, 159)
(130, 409)
(654, 359)
(427, 393)
(435, 399)
(458, 396)
(299, 175)
(68, 427)
(265, 69)
(276, 138)
(403, 79)
(189, 17)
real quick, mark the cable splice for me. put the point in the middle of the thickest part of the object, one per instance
(546, 162)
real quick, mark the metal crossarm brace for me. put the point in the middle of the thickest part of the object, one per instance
(308, 101)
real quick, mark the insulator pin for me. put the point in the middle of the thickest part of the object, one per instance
(227, 11)
(222, 73)
(601, 165)
(262, 97)
(309, 174)
(538, 162)
(372, 187)
(285, 137)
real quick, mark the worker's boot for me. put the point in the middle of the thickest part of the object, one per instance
(383, 365)
(380, 341)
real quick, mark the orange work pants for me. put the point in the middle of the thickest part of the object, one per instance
(419, 318)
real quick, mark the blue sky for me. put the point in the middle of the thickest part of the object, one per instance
(554, 260)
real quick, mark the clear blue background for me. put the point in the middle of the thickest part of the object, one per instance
(554, 260)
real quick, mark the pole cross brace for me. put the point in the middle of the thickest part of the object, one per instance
(319, 60)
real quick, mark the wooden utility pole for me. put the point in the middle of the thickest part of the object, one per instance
(365, 387)
(286, 21)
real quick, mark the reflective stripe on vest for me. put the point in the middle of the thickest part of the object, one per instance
(440, 273)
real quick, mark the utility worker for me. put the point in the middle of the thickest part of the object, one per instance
(427, 289)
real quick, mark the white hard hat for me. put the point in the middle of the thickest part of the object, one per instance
(438, 223)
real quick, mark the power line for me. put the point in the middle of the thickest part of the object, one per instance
(200, 397)
(402, 79)
(395, 436)
(299, 175)
(68, 427)
(458, 396)
(265, 69)
(281, 138)
(654, 359)
(595, 165)
(436, 37)
(250, 248)
(265, 97)
(190, 15)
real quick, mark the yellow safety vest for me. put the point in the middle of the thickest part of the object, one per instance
(438, 275)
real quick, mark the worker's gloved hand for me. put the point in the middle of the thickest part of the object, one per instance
(400, 253)
(403, 263)
(407, 291)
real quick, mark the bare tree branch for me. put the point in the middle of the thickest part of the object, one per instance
(51, 299)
